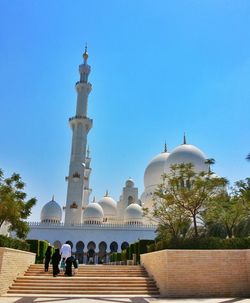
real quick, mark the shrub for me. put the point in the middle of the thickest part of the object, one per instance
(202, 243)
(111, 258)
(151, 247)
(14, 243)
(38, 247)
(43, 245)
(131, 251)
(143, 246)
(124, 255)
(118, 256)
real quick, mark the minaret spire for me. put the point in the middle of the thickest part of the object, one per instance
(165, 147)
(184, 139)
(78, 188)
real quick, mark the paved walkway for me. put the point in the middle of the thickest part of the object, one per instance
(111, 299)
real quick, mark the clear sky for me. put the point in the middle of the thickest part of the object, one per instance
(159, 68)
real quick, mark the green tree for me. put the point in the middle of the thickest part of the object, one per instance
(230, 210)
(14, 206)
(188, 192)
(172, 222)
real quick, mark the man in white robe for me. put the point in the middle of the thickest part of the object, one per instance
(65, 251)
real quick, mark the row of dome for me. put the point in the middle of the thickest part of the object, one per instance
(106, 208)
(96, 212)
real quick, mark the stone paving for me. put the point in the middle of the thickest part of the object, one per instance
(111, 299)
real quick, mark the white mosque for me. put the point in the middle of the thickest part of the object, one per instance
(104, 226)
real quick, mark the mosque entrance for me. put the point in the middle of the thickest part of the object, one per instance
(79, 251)
(102, 255)
(91, 253)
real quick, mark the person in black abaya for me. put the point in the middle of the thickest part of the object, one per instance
(47, 258)
(69, 262)
(56, 258)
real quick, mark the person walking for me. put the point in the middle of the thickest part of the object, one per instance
(47, 258)
(65, 251)
(69, 262)
(56, 258)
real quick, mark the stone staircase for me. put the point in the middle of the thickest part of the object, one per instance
(89, 280)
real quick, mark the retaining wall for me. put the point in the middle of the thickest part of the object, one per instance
(200, 273)
(13, 262)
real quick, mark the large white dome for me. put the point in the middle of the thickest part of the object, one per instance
(51, 212)
(109, 206)
(155, 169)
(133, 213)
(187, 153)
(93, 213)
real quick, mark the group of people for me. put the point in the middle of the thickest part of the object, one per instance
(63, 257)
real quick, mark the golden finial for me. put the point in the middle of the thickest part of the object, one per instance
(53, 198)
(93, 200)
(85, 54)
(107, 193)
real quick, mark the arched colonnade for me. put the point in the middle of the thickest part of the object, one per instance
(92, 253)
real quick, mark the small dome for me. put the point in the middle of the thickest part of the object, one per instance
(93, 213)
(130, 183)
(155, 169)
(187, 153)
(109, 206)
(51, 212)
(133, 214)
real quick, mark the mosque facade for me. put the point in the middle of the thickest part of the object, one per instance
(105, 226)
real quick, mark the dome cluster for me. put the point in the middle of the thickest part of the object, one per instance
(185, 153)
(104, 211)
(128, 210)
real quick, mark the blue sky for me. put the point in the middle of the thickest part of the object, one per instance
(159, 68)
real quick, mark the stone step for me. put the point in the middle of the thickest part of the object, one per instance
(106, 282)
(84, 274)
(77, 279)
(57, 281)
(86, 292)
(98, 266)
(73, 282)
(94, 271)
(97, 271)
(89, 280)
(82, 287)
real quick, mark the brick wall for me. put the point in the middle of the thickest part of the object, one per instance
(200, 273)
(13, 263)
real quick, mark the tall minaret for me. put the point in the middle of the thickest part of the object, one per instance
(80, 125)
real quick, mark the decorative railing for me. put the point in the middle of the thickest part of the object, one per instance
(112, 225)
(77, 117)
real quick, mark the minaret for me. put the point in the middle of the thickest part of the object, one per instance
(80, 125)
